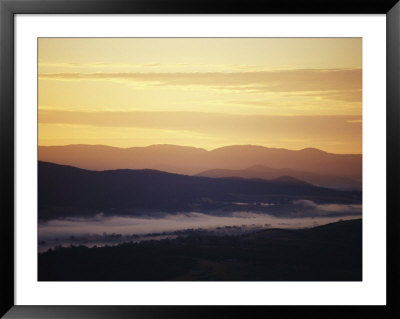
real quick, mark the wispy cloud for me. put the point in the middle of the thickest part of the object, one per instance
(343, 95)
(214, 124)
(101, 64)
(309, 80)
(348, 96)
(108, 65)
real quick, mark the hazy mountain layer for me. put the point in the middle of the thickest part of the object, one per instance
(268, 173)
(190, 160)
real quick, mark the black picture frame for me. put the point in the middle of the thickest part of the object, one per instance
(9, 8)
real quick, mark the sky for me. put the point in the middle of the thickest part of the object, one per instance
(289, 93)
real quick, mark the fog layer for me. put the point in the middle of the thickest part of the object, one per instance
(110, 230)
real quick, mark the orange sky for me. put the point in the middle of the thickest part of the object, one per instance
(204, 92)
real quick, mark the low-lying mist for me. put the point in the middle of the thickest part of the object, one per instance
(103, 230)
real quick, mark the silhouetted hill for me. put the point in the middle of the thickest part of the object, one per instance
(268, 173)
(190, 160)
(327, 253)
(289, 180)
(69, 191)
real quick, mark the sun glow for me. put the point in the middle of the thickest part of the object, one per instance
(202, 92)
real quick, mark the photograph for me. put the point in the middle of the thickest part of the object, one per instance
(175, 159)
(200, 159)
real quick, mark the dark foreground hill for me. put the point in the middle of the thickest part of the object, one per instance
(326, 253)
(66, 191)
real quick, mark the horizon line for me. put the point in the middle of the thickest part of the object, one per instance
(200, 148)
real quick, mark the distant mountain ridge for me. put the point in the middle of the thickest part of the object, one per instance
(191, 160)
(268, 173)
(66, 191)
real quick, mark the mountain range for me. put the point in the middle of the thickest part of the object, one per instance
(66, 191)
(249, 161)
